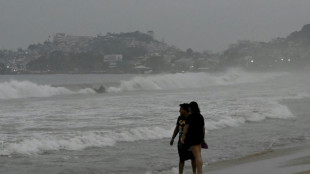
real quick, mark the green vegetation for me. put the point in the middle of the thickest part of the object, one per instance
(74, 63)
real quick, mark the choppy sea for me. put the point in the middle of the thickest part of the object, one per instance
(58, 124)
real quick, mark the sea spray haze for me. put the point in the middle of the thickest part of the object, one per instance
(59, 124)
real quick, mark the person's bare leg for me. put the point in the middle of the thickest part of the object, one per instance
(181, 167)
(193, 166)
(196, 149)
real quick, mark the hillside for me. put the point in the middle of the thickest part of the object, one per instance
(291, 52)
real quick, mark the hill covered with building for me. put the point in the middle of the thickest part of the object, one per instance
(133, 52)
(138, 52)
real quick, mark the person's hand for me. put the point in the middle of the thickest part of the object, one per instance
(182, 140)
(171, 142)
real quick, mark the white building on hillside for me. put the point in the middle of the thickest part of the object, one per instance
(113, 60)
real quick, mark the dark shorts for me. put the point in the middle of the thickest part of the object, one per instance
(185, 152)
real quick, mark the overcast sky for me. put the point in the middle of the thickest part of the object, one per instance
(197, 24)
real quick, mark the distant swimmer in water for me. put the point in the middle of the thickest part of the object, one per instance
(101, 89)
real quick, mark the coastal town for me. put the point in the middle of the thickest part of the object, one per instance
(134, 52)
(138, 52)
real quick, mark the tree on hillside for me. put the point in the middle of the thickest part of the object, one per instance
(157, 63)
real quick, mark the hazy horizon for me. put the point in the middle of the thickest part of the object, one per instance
(199, 24)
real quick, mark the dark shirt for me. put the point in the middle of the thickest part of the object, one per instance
(195, 134)
(183, 150)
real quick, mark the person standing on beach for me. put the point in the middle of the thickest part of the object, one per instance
(193, 133)
(184, 152)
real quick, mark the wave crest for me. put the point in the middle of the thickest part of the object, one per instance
(191, 80)
(84, 140)
(25, 89)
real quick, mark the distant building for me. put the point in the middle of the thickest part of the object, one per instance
(113, 60)
(143, 69)
(59, 38)
(71, 43)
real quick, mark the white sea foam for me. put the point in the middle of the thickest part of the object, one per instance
(299, 95)
(80, 141)
(271, 110)
(25, 89)
(174, 170)
(193, 80)
(279, 111)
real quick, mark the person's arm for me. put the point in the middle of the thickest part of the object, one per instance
(203, 129)
(184, 133)
(203, 132)
(175, 132)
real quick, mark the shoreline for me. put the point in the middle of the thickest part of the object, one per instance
(286, 160)
(292, 160)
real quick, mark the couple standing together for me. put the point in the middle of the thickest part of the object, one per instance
(191, 129)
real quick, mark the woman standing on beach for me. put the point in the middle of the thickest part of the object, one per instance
(194, 132)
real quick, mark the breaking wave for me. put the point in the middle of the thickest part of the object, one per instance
(103, 138)
(191, 80)
(25, 89)
(271, 110)
(83, 140)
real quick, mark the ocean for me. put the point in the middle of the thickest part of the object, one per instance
(58, 124)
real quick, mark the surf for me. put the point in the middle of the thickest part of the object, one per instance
(192, 80)
(14, 89)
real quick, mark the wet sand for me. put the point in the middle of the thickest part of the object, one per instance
(282, 161)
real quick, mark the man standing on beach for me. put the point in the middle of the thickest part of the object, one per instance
(184, 152)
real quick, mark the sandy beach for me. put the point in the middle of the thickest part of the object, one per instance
(282, 161)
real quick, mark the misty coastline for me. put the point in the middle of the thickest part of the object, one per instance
(139, 53)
